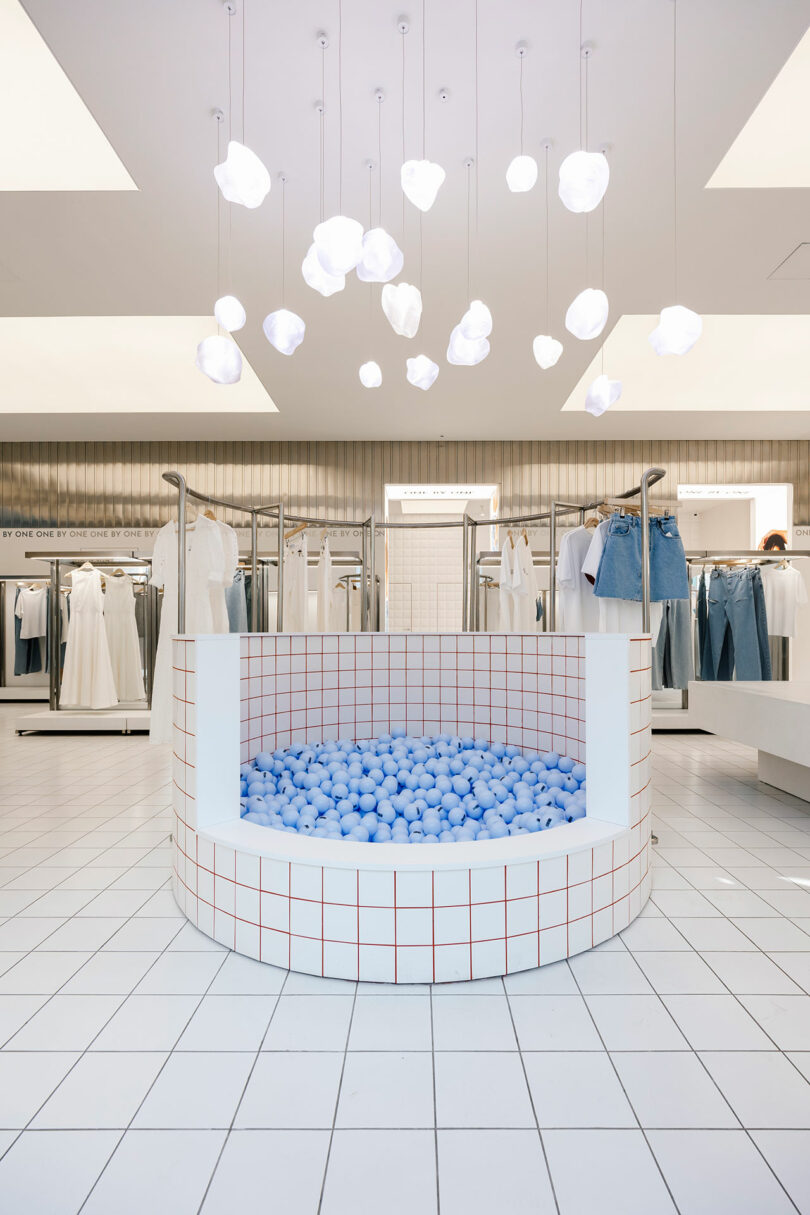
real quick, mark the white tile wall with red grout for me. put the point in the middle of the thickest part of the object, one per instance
(413, 921)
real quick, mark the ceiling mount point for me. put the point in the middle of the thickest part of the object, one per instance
(402, 25)
(444, 94)
(587, 49)
(379, 95)
(547, 143)
(229, 6)
(217, 114)
(322, 40)
(522, 48)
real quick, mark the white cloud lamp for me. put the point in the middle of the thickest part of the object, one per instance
(546, 350)
(421, 181)
(677, 330)
(476, 322)
(338, 244)
(602, 394)
(402, 304)
(370, 375)
(422, 372)
(284, 330)
(587, 315)
(521, 174)
(242, 178)
(584, 179)
(466, 352)
(382, 257)
(316, 277)
(220, 359)
(229, 313)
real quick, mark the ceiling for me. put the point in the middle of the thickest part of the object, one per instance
(150, 75)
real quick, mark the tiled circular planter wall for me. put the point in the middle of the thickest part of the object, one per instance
(387, 912)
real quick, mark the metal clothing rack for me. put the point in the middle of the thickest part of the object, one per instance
(557, 510)
(369, 600)
(5, 580)
(101, 560)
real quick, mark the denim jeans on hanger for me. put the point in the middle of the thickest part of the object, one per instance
(738, 627)
(236, 604)
(619, 573)
(704, 654)
(672, 665)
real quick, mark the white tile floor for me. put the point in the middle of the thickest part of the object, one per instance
(145, 1068)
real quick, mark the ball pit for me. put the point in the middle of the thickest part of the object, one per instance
(406, 789)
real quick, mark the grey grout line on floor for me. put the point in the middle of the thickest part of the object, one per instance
(256, 1058)
(337, 1105)
(531, 1102)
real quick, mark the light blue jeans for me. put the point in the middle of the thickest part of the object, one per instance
(619, 573)
(672, 662)
(738, 626)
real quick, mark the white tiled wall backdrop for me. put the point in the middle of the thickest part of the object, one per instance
(424, 578)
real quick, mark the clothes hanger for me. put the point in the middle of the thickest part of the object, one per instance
(302, 527)
(511, 538)
(592, 521)
(209, 514)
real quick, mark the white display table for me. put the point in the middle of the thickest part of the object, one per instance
(394, 912)
(774, 717)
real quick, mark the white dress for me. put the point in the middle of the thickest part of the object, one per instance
(122, 637)
(88, 681)
(325, 588)
(230, 548)
(205, 567)
(295, 585)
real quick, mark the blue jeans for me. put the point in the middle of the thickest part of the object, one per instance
(738, 627)
(672, 663)
(236, 604)
(619, 573)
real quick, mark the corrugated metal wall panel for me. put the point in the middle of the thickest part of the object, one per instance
(120, 484)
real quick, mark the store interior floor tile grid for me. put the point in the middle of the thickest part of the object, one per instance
(145, 1068)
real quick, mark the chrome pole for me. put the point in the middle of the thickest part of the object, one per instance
(552, 569)
(465, 573)
(254, 573)
(280, 578)
(53, 645)
(654, 474)
(364, 580)
(372, 578)
(179, 481)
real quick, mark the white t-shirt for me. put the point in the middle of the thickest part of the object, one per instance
(617, 615)
(785, 593)
(32, 611)
(578, 607)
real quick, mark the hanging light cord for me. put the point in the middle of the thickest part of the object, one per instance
(219, 223)
(604, 279)
(521, 57)
(283, 241)
(475, 140)
(379, 162)
(230, 81)
(322, 124)
(340, 107)
(370, 222)
(581, 130)
(244, 7)
(424, 84)
(675, 144)
(547, 238)
(402, 35)
(469, 296)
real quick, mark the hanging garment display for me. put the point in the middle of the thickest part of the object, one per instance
(785, 593)
(230, 549)
(619, 572)
(672, 665)
(616, 615)
(236, 604)
(32, 608)
(577, 606)
(88, 681)
(510, 587)
(526, 601)
(737, 625)
(27, 650)
(205, 568)
(324, 587)
(122, 637)
(295, 584)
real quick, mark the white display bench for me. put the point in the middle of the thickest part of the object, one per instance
(394, 912)
(772, 716)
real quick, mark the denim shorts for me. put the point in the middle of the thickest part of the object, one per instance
(619, 573)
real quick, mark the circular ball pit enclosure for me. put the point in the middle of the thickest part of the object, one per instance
(389, 912)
